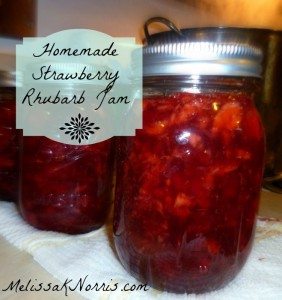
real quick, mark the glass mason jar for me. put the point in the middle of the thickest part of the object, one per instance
(9, 139)
(188, 183)
(65, 188)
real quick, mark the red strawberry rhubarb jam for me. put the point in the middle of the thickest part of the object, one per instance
(188, 188)
(9, 146)
(65, 188)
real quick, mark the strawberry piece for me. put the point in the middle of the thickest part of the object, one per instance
(252, 125)
(228, 118)
(182, 206)
(213, 247)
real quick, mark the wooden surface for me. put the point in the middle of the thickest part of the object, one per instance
(15, 264)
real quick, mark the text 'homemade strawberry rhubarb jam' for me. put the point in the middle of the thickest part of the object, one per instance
(9, 139)
(188, 183)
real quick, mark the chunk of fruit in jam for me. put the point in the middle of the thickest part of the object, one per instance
(9, 151)
(188, 189)
(64, 187)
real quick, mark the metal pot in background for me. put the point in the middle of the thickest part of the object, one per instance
(270, 108)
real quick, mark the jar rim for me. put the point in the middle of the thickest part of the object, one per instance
(229, 51)
(202, 58)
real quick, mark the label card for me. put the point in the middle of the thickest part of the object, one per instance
(79, 86)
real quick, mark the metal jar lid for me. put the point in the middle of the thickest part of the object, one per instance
(174, 53)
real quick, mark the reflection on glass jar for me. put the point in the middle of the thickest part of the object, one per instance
(64, 187)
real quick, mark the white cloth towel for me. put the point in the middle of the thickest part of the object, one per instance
(91, 256)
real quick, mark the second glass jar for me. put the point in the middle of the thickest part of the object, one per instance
(65, 188)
